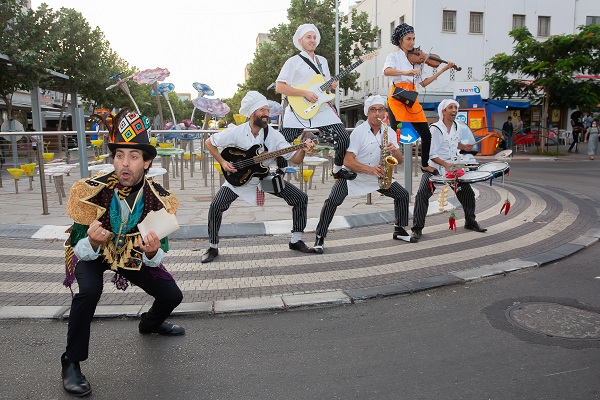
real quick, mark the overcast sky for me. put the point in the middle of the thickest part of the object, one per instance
(205, 41)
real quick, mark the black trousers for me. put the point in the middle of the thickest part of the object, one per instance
(341, 141)
(464, 194)
(339, 192)
(422, 129)
(291, 194)
(89, 275)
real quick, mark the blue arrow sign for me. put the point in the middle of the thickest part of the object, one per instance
(408, 134)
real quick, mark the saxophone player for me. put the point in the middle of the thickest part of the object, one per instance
(364, 156)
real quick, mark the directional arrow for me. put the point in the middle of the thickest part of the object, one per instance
(408, 134)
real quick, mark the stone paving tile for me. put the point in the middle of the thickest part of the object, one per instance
(541, 219)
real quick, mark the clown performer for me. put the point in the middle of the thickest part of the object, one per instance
(364, 157)
(256, 131)
(445, 151)
(296, 72)
(106, 210)
(405, 75)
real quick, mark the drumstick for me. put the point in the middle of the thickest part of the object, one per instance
(483, 138)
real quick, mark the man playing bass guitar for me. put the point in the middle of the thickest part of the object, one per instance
(256, 131)
(298, 71)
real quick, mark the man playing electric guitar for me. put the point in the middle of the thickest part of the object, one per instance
(298, 71)
(254, 105)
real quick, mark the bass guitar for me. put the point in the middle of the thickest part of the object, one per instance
(304, 108)
(248, 162)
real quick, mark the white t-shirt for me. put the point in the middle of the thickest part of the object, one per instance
(296, 72)
(444, 144)
(397, 60)
(366, 146)
(241, 136)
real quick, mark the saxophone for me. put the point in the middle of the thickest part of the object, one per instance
(387, 162)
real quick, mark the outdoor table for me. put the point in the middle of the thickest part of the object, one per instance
(165, 159)
(58, 173)
(313, 162)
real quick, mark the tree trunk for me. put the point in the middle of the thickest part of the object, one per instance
(545, 117)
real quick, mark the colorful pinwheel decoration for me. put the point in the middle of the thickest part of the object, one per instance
(203, 90)
(211, 107)
(165, 89)
(122, 84)
(152, 77)
(275, 109)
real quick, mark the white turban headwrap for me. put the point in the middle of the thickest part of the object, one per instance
(443, 104)
(303, 30)
(251, 102)
(372, 100)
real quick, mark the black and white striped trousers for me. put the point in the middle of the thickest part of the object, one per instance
(341, 139)
(225, 196)
(464, 194)
(339, 191)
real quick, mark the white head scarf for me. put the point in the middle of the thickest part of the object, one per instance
(303, 30)
(251, 102)
(372, 100)
(443, 104)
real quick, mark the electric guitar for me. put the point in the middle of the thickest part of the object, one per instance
(248, 162)
(304, 108)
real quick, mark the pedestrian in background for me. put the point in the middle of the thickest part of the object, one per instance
(591, 137)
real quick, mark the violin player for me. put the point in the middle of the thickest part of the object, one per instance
(405, 66)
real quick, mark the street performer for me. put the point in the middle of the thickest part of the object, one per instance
(106, 210)
(364, 157)
(405, 75)
(256, 131)
(298, 71)
(445, 148)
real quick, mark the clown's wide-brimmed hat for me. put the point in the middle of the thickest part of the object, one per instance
(130, 130)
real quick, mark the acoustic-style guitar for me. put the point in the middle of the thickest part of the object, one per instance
(304, 108)
(248, 162)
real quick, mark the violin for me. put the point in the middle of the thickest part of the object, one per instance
(418, 56)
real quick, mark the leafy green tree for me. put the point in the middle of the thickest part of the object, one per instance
(547, 69)
(355, 38)
(25, 38)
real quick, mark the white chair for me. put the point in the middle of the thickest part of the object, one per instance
(564, 136)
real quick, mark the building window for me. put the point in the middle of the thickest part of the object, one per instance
(518, 21)
(392, 27)
(476, 22)
(590, 20)
(401, 20)
(449, 21)
(543, 26)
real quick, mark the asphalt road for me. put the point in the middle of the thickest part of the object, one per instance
(458, 342)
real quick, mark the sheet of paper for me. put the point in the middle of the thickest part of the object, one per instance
(160, 222)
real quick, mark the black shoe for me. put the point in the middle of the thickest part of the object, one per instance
(74, 381)
(165, 329)
(431, 170)
(301, 246)
(475, 227)
(401, 234)
(209, 255)
(417, 233)
(319, 244)
(344, 174)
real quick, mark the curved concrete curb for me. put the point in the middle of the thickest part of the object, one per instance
(290, 302)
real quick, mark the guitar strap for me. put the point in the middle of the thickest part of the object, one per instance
(266, 131)
(312, 65)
